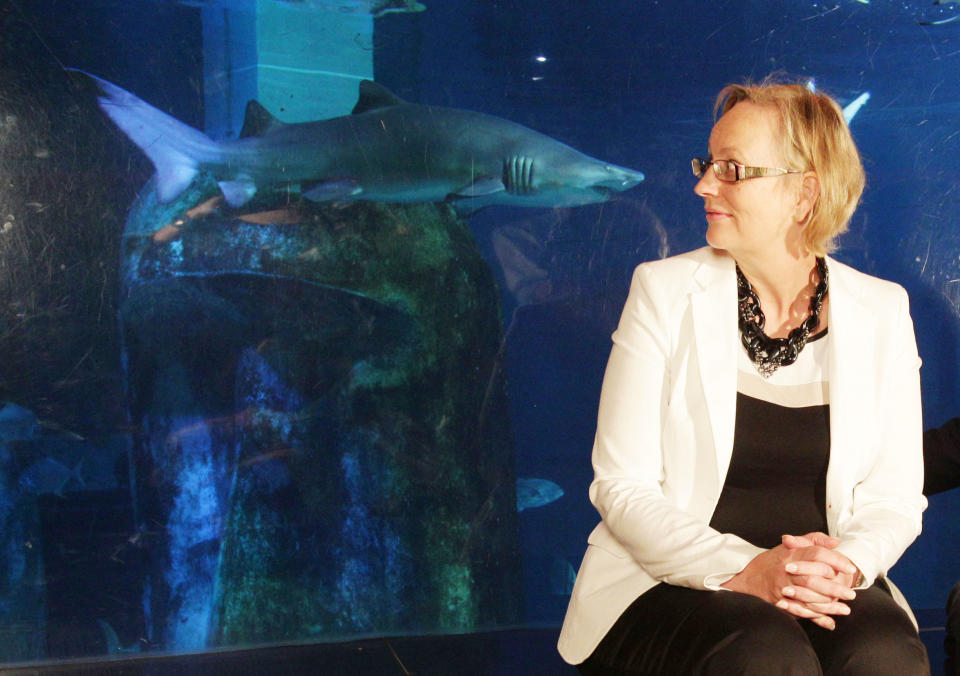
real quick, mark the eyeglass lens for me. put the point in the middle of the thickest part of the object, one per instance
(725, 170)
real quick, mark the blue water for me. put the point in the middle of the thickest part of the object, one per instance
(631, 82)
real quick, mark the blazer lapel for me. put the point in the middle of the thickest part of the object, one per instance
(714, 305)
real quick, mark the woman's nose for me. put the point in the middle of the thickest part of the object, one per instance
(707, 185)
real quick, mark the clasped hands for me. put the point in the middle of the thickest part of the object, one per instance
(803, 576)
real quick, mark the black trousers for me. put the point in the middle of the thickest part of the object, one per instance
(675, 630)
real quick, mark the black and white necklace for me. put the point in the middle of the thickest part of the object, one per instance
(768, 353)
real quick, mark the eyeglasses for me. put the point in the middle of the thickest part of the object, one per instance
(729, 171)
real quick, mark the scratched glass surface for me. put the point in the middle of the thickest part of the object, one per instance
(303, 371)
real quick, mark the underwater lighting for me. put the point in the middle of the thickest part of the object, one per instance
(540, 59)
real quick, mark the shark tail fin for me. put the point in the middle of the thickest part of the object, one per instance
(176, 149)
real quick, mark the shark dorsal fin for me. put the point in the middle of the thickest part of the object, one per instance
(373, 96)
(257, 120)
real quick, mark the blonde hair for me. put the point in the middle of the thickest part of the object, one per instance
(815, 137)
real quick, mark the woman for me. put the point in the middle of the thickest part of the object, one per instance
(758, 396)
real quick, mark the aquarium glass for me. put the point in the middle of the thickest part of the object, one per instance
(326, 365)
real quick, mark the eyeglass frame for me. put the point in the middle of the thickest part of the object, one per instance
(743, 172)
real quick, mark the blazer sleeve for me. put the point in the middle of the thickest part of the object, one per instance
(887, 500)
(671, 544)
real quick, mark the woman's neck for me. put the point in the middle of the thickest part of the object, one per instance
(784, 284)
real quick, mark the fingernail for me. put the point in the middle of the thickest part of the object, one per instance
(849, 594)
(791, 568)
(787, 591)
(782, 605)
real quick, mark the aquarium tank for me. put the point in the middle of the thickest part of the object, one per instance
(305, 304)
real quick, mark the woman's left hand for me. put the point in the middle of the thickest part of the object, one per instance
(816, 585)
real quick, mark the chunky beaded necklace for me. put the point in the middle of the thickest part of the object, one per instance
(768, 353)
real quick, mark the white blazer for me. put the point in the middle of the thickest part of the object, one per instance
(666, 425)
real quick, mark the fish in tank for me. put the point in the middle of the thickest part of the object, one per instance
(387, 150)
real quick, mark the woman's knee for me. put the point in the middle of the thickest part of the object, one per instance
(881, 653)
(767, 641)
(876, 639)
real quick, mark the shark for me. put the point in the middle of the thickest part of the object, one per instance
(386, 150)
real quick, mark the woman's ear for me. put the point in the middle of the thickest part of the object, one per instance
(807, 199)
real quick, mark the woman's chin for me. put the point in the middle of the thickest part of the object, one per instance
(717, 238)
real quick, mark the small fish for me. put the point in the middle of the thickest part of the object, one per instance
(516, 249)
(854, 106)
(269, 455)
(940, 22)
(851, 108)
(562, 576)
(135, 541)
(167, 233)
(17, 423)
(242, 417)
(113, 641)
(376, 8)
(173, 230)
(48, 476)
(288, 216)
(536, 493)
(380, 7)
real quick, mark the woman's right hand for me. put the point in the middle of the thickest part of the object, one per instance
(767, 577)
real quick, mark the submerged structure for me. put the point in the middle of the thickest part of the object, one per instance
(322, 442)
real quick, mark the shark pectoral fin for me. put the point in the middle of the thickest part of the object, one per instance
(485, 185)
(238, 191)
(175, 173)
(340, 189)
(467, 206)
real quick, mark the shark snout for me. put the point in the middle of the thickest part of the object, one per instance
(618, 178)
(609, 178)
